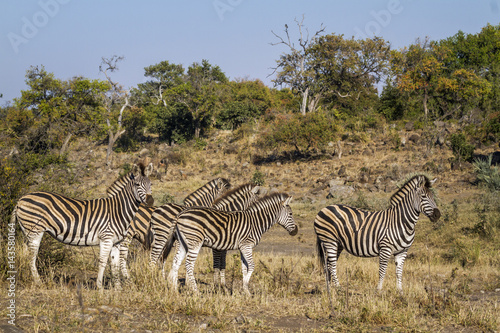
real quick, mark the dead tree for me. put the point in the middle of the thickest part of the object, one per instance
(295, 70)
(117, 95)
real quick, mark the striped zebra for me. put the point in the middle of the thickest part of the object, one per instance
(239, 198)
(370, 234)
(242, 230)
(102, 222)
(162, 219)
(140, 228)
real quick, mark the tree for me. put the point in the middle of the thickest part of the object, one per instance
(347, 69)
(294, 69)
(117, 95)
(202, 92)
(164, 76)
(418, 67)
(52, 111)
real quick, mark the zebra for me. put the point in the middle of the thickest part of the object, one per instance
(381, 233)
(220, 230)
(140, 228)
(102, 222)
(239, 198)
(163, 217)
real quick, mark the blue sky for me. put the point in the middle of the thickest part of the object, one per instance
(69, 37)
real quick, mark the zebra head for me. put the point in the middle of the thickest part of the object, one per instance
(141, 184)
(285, 217)
(425, 199)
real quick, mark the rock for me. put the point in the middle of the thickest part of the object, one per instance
(143, 152)
(409, 126)
(340, 191)
(336, 182)
(415, 138)
(342, 171)
(440, 141)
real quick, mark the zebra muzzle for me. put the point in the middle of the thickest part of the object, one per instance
(436, 214)
(294, 231)
(149, 200)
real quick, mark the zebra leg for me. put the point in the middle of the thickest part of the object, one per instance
(222, 266)
(33, 245)
(115, 265)
(176, 264)
(104, 249)
(400, 260)
(176, 246)
(385, 255)
(191, 256)
(124, 254)
(247, 266)
(218, 258)
(332, 253)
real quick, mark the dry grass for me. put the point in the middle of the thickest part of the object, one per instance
(451, 278)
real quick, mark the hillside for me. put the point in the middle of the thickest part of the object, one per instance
(364, 174)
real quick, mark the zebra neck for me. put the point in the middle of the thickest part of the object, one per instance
(405, 213)
(262, 219)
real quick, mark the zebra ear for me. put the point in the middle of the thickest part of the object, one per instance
(287, 201)
(149, 170)
(136, 170)
(255, 190)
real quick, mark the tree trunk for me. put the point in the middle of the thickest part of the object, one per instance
(111, 143)
(303, 106)
(65, 144)
(426, 97)
(313, 103)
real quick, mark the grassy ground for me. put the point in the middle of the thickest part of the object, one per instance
(451, 278)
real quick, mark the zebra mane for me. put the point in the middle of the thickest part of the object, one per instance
(410, 179)
(242, 188)
(269, 198)
(210, 184)
(118, 184)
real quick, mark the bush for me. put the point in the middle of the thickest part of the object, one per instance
(258, 178)
(312, 131)
(487, 174)
(462, 150)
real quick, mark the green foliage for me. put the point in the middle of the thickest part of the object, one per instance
(487, 174)
(234, 114)
(462, 150)
(135, 122)
(312, 131)
(492, 126)
(258, 178)
(13, 183)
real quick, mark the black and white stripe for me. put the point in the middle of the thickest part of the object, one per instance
(163, 218)
(102, 222)
(381, 233)
(242, 230)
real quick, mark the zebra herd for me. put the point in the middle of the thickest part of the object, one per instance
(221, 219)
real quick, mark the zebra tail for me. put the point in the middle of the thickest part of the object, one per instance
(168, 244)
(321, 257)
(148, 241)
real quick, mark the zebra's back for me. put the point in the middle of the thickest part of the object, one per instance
(358, 231)
(71, 221)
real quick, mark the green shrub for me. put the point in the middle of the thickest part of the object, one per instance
(258, 178)
(487, 174)
(462, 150)
(311, 131)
